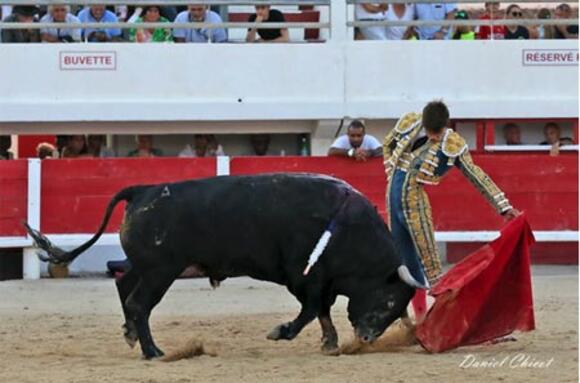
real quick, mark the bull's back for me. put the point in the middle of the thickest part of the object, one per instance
(242, 225)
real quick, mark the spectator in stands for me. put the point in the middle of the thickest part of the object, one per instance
(145, 147)
(399, 12)
(5, 144)
(492, 12)
(98, 14)
(76, 147)
(270, 35)
(543, 31)
(21, 14)
(554, 137)
(515, 32)
(205, 145)
(197, 14)
(438, 11)
(260, 144)
(563, 11)
(46, 150)
(60, 14)
(512, 134)
(463, 32)
(151, 14)
(97, 146)
(371, 12)
(356, 144)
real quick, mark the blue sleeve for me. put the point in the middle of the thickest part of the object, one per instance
(180, 33)
(219, 36)
(450, 7)
(114, 31)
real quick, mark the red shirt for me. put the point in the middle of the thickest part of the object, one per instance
(484, 32)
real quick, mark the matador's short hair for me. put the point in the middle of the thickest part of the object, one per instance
(435, 116)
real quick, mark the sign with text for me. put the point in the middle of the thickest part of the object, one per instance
(550, 57)
(87, 60)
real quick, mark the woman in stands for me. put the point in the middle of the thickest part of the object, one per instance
(151, 14)
(76, 147)
(515, 32)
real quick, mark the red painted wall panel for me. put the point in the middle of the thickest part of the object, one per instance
(76, 192)
(27, 144)
(13, 197)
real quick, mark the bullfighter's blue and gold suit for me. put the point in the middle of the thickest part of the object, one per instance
(410, 162)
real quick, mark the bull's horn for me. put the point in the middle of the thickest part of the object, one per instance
(406, 277)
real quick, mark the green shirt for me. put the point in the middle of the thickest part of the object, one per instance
(159, 35)
(467, 36)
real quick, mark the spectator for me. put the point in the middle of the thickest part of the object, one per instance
(21, 14)
(76, 147)
(46, 150)
(399, 12)
(356, 144)
(205, 145)
(435, 12)
(60, 14)
(543, 31)
(553, 137)
(151, 14)
(145, 147)
(463, 32)
(5, 144)
(492, 12)
(61, 142)
(563, 11)
(199, 14)
(98, 14)
(260, 144)
(271, 35)
(214, 147)
(371, 12)
(512, 134)
(97, 147)
(515, 32)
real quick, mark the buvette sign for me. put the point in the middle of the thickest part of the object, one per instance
(87, 60)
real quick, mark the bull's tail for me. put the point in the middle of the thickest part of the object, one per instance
(57, 255)
(324, 238)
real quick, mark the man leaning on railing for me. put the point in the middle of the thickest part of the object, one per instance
(199, 13)
(60, 14)
(21, 14)
(98, 14)
(272, 35)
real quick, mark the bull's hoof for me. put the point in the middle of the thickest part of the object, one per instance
(152, 352)
(281, 332)
(330, 347)
(130, 334)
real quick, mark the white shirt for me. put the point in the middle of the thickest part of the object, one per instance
(397, 33)
(62, 32)
(362, 14)
(368, 143)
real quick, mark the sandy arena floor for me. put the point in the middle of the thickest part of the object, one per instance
(69, 331)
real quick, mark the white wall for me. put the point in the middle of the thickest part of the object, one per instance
(239, 82)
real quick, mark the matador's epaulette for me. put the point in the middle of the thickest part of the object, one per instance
(407, 122)
(453, 144)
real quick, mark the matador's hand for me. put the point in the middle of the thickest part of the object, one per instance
(511, 214)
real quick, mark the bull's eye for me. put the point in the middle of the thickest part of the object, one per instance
(390, 304)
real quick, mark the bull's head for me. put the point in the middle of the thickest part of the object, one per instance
(373, 308)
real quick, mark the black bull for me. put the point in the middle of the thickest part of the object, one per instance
(264, 227)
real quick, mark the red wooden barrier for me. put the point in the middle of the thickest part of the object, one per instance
(545, 187)
(75, 193)
(368, 177)
(13, 197)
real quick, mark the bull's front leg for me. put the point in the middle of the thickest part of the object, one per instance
(289, 331)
